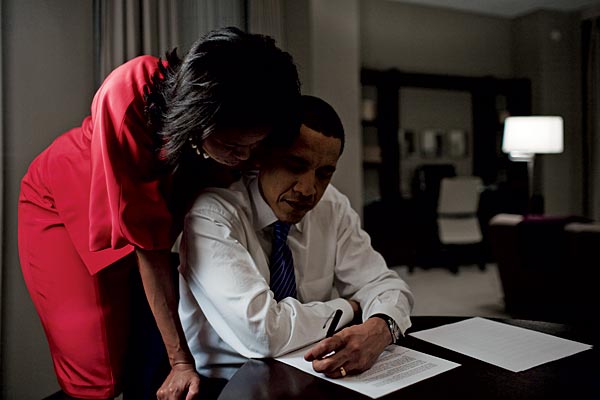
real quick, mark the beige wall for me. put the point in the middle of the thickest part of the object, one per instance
(335, 66)
(546, 50)
(324, 39)
(296, 16)
(432, 40)
(385, 34)
(48, 85)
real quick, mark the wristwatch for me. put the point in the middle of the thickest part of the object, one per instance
(392, 326)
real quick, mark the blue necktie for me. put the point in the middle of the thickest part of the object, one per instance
(283, 281)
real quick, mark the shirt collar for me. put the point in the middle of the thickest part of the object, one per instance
(263, 214)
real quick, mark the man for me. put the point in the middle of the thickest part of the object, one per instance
(229, 259)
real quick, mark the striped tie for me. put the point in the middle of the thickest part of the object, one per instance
(283, 281)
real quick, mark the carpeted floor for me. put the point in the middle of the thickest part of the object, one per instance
(470, 292)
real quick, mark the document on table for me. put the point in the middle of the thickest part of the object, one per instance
(396, 367)
(510, 347)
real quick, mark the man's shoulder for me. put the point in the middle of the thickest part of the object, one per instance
(333, 197)
(227, 202)
(333, 203)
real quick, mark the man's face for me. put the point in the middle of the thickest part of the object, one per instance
(294, 181)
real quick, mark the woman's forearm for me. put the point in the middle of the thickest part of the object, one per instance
(156, 272)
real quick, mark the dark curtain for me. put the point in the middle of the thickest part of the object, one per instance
(125, 29)
(266, 17)
(197, 17)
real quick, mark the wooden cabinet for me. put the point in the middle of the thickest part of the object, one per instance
(380, 142)
(490, 100)
(390, 100)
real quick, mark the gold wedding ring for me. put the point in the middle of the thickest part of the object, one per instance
(342, 371)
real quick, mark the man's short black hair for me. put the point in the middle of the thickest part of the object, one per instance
(320, 116)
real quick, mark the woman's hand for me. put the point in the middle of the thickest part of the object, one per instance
(159, 284)
(182, 380)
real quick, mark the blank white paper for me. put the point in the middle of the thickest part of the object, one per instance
(510, 347)
(396, 367)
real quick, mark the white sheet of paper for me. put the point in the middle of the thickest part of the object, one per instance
(510, 347)
(396, 367)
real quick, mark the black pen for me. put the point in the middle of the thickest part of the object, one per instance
(334, 323)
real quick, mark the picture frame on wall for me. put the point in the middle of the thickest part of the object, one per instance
(408, 142)
(457, 143)
(432, 143)
(369, 104)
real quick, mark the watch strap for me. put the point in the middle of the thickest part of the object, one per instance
(392, 326)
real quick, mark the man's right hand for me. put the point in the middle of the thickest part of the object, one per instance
(356, 349)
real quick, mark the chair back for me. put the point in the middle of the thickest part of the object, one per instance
(426, 185)
(457, 210)
(459, 195)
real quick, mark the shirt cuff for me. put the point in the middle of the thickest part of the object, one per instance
(347, 313)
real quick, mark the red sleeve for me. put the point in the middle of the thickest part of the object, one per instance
(126, 202)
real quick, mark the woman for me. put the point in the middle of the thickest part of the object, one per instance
(107, 199)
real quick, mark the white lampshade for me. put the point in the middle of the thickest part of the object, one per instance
(526, 136)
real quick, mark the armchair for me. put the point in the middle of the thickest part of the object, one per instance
(546, 265)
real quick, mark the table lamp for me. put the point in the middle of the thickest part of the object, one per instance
(524, 137)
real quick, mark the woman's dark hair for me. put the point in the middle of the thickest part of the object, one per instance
(228, 79)
(320, 116)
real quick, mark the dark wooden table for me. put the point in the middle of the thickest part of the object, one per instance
(574, 377)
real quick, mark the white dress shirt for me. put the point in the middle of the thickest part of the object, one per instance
(227, 308)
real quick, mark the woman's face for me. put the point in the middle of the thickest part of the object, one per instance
(231, 147)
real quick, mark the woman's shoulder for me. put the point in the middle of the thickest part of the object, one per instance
(136, 72)
(122, 92)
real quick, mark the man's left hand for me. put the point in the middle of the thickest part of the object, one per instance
(352, 350)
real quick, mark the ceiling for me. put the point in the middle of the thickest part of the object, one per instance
(507, 8)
